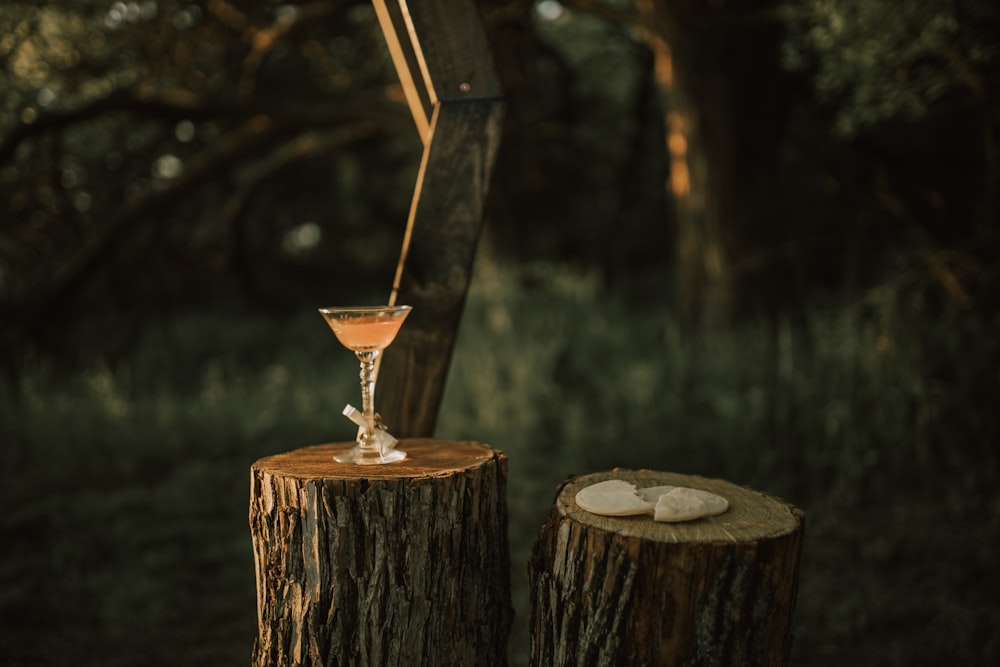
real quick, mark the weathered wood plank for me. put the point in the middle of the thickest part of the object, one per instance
(454, 51)
(441, 52)
(435, 266)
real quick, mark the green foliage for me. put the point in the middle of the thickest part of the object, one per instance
(125, 480)
(183, 151)
(581, 167)
(126, 483)
(870, 408)
(608, 382)
(878, 60)
(127, 438)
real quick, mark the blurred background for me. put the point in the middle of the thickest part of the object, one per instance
(749, 240)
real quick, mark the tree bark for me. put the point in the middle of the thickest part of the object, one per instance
(631, 591)
(400, 564)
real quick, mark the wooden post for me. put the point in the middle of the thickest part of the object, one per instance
(400, 564)
(441, 53)
(631, 591)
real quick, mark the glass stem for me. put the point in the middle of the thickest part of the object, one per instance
(367, 375)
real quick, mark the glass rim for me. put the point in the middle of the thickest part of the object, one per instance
(363, 310)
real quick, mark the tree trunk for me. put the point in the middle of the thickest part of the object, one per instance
(400, 564)
(720, 66)
(631, 591)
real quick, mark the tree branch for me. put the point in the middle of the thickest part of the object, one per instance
(179, 104)
(264, 40)
(24, 313)
(227, 153)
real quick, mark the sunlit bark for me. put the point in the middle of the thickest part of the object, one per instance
(719, 65)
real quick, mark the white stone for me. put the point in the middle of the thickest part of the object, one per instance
(671, 504)
(684, 504)
(613, 497)
(651, 494)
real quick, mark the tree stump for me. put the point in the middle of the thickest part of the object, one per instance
(632, 591)
(399, 564)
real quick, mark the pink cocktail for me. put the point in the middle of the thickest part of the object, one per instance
(366, 331)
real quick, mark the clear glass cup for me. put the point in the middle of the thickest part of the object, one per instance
(367, 331)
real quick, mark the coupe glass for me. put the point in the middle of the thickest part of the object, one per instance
(366, 331)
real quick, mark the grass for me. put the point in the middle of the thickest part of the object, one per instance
(870, 416)
(125, 477)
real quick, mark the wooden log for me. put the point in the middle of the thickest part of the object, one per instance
(632, 591)
(399, 564)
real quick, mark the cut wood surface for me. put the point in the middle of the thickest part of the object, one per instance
(632, 591)
(398, 564)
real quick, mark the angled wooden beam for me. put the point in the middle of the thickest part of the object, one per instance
(392, 17)
(441, 52)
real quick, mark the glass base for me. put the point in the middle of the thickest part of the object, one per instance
(369, 457)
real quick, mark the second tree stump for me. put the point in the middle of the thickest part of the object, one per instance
(400, 564)
(632, 591)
